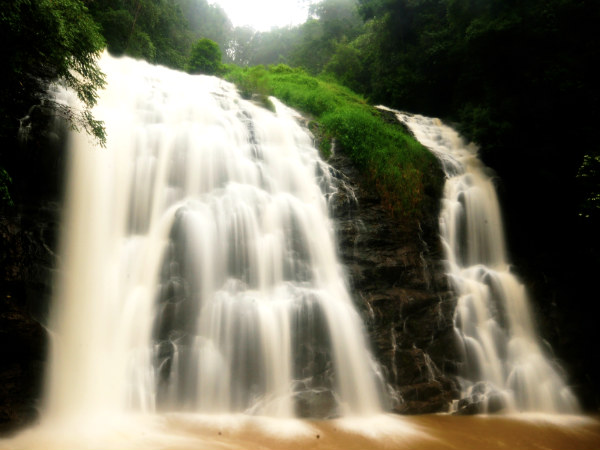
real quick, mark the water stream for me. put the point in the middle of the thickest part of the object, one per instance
(505, 365)
(198, 267)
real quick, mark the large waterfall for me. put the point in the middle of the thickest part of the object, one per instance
(199, 303)
(505, 365)
(198, 262)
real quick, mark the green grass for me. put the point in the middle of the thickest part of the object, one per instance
(401, 169)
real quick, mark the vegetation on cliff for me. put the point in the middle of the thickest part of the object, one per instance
(399, 167)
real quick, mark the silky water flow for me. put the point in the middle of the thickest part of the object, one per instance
(198, 263)
(200, 304)
(505, 366)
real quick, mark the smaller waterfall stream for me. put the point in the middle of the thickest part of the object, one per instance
(505, 366)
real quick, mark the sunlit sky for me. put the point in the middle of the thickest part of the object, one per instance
(262, 15)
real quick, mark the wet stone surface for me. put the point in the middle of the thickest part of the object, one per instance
(396, 277)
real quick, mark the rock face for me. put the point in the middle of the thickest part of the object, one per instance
(28, 242)
(27, 262)
(397, 279)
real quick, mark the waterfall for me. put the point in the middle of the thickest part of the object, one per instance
(198, 262)
(505, 365)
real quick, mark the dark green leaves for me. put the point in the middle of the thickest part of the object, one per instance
(205, 58)
(47, 41)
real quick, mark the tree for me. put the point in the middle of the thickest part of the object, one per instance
(205, 58)
(274, 46)
(155, 30)
(242, 45)
(339, 19)
(44, 41)
(346, 65)
(333, 22)
(207, 20)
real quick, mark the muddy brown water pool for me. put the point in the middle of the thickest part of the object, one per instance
(431, 432)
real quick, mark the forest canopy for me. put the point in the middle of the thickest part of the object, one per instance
(516, 77)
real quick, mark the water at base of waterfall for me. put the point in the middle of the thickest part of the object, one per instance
(505, 367)
(232, 432)
(198, 266)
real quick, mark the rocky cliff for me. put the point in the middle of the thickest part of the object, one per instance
(28, 242)
(27, 259)
(397, 280)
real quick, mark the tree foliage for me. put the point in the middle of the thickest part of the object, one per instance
(205, 58)
(45, 41)
(154, 30)
(332, 22)
(507, 72)
(310, 45)
(515, 76)
(207, 20)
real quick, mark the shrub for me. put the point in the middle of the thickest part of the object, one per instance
(205, 57)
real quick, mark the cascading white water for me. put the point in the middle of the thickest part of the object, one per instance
(504, 363)
(199, 270)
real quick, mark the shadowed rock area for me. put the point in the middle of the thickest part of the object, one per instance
(28, 245)
(397, 279)
(26, 283)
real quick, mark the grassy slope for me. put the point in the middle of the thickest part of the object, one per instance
(401, 169)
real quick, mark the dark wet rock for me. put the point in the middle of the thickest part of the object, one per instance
(22, 352)
(28, 260)
(317, 404)
(398, 282)
(425, 398)
(482, 398)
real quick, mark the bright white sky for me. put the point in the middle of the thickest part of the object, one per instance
(264, 14)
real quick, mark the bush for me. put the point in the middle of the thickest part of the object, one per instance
(205, 57)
